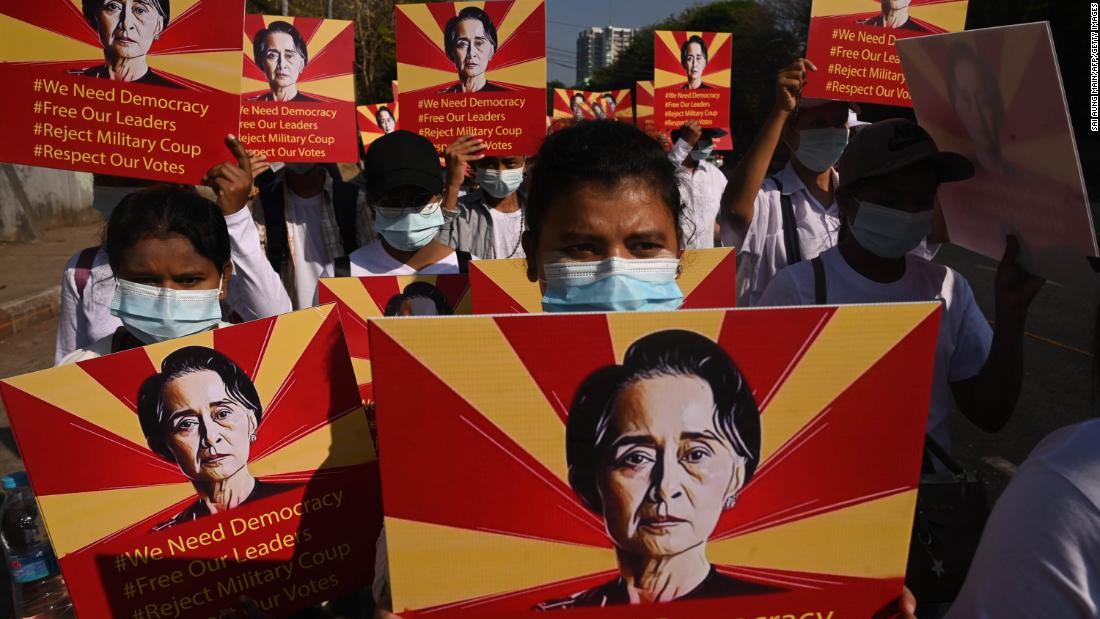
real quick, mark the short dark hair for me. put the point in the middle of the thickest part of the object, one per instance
(91, 7)
(608, 96)
(450, 33)
(959, 53)
(576, 95)
(162, 211)
(684, 49)
(151, 410)
(378, 114)
(603, 152)
(419, 289)
(279, 26)
(673, 352)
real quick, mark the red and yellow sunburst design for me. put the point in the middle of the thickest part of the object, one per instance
(367, 121)
(874, 73)
(102, 500)
(643, 105)
(563, 103)
(674, 105)
(328, 75)
(843, 394)
(502, 287)
(515, 96)
(1037, 146)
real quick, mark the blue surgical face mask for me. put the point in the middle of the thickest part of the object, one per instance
(887, 232)
(408, 230)
(155, 314)
(612, 285)
(820, 149)
(702, 154)
(500, 183)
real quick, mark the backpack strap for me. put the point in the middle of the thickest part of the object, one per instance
(821, 291)
(272, 199)
(342, 266)
(345, 202)
(464, 258)
(790, 225)
(83, 268)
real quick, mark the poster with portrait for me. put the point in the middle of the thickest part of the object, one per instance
(691, 79)
(643, 105)
(360, 299)
(298, 89)
(996, 96)
(502, 286)
(376, 120)
(853, 45)
(612, 104)
(142, 88)
(474, 69)
(569, 103)
(735, 453)
(232, 462)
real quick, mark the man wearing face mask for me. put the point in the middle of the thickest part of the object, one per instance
(308, 217)
(487, 223)
(701, 183)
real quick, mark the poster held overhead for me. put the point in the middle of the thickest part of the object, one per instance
(996, 96)
(376, 120)
(154, 104)
(643, 105)
(691, 80)
(573, 104)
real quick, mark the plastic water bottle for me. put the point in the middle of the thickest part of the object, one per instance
(38, 588)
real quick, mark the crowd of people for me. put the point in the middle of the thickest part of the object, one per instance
(602, 214)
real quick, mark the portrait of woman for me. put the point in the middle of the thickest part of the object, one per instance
(609, 104)
(975, 95)
(419, 299)
(127, 30)
(201, 412)
(385, 120)
(895, 14)
(577, 103)
(659, 447)
(280, 51)
(597, 109)
(470, 40)
(693, 58)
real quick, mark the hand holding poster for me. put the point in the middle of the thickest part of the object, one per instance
(148, 90)
(474, 69)
(232, 462)
(852, 43)
(298, 92)
(375, 121)
(691, 79)
(996, 96)
(551, 496)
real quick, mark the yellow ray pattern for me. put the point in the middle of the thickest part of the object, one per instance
(419, 15)
(519, 12)
(950, 16)
(73, 390)
(1021, 154)
(81, 518)
(341, 87)
(496, 563)
(327, 33)
(351, 291)
(345, 442)
(23, 42)
(868, 540)
(531, 74)
(827, 8)
(290, 336)
(208, 68)
(628, 327)
(669, 41)
(855, 338)
(511, 277)
(501, 388)
(664, 79)
(698, 265)
(1016, 58)
(646, 86)
(362, 368)
(270, 19)
(252, 85)
(157, 352)
(415, 77)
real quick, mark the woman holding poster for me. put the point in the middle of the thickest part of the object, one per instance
(127, 30)
(470, 41)
(281, 53)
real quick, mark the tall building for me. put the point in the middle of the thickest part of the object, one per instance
(599, 47)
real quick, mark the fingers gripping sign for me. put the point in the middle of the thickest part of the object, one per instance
(789, 83)
(232, 183)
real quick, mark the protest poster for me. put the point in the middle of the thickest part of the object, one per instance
(125, 451)
(691, 79)
(613, 104)
(502, 286)
(573, 104)
(996, 96)
(643, 105)
(359, 299)
(375, 121)
(853, 45)
(548, 491)
(298, 89)
(154, 103)
(474, 69)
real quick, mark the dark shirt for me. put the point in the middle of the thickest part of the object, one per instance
(198, 509)
(151, 77)
(908, 25)
(715, 585)
(488, 87)
(298, 98)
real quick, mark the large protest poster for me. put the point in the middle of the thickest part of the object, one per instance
(573, 104)
(502, 286)
(786, 479)
(376, 120)
(996, 96)
(360, 299)
(691, 79)
(852, 44)
(643, 105)
(298, 89)
(474, 69)
(146, 93)
(124, 452)
(612, 104)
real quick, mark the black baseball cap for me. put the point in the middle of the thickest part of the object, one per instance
(402, 158)
(890, 145)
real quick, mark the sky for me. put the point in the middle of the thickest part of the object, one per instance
(565, 18)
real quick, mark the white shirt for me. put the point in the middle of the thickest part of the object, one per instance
(310, 253)
(1040, 551)
(701, 192)
(507, 229)
(965, 335)
(373, 259)
(255, 290)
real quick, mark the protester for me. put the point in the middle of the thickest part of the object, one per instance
(88, 283)
(488, 222)
(701, 183)
(889, 176)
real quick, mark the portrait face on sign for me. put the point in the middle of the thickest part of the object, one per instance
(376, 120)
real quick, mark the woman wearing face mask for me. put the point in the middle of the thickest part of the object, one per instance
(488, 222)
(701, 182)
(889, 177)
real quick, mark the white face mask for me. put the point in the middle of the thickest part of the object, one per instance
(820, 149)
(887, 232)
(500, 183)
(153, 314)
